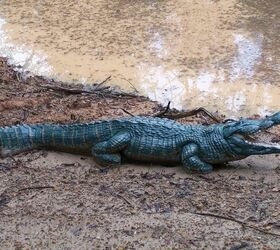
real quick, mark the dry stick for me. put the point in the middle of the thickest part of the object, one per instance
(162, 113)
(98, 90)
(126, 200)
(125, 111)
(11, 157)
(131, 85)
(237, 221)
(67, 90)
(35, 187)
(76, 91)
(195, 112)
(99, 84)
(183, 114)
(18, 76)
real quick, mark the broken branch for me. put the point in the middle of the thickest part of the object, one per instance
(244, 224)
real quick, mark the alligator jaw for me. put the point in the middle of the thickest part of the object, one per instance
(266, 145)
(261, 143)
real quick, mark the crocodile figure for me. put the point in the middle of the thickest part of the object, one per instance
(147, 139)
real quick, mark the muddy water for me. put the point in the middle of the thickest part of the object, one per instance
(223, 55)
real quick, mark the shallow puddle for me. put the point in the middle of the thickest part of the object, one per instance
(223, 55)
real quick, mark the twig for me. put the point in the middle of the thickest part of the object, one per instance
(97, 90)
(135, 89)
(237, 221)
(13, 159)
(126, 200)
(121, 94)
(162, 113)
(35, 187)
(184, 114)
(18, 76)
(67, 90)
(125, 111)
(98, 85)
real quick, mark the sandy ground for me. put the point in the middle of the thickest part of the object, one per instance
(52, 200)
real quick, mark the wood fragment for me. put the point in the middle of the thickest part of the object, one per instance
(183, 114)
(72, 91)
(103, 91)
(135, 89)
(126, 200)
(99, 85)
(35, 187)
(162, 113)
(125, 111)
(229, 218)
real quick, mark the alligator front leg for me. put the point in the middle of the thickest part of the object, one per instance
(108, 152)
(191, 161)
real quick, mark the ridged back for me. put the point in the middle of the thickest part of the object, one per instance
(85, 135)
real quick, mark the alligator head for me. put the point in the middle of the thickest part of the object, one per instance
(241, 136)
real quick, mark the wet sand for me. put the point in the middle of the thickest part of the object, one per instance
(62, 201)
(223, 55)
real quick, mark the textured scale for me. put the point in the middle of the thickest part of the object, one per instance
(138, 139)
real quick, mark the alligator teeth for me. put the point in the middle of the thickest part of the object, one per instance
(275, 145)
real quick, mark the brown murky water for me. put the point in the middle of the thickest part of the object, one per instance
(223, 55)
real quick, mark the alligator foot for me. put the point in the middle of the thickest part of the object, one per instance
(108, 152)
(192, 162)
(195, 164)
(107, 159)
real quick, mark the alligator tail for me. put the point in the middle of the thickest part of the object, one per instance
(16, 139)
(20, 138)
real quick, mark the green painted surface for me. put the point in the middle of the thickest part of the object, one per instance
(145, 139)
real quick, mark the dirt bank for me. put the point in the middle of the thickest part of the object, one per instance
(51, 200)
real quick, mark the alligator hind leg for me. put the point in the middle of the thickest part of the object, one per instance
(192, 162)
(108, 152)
(107, 159)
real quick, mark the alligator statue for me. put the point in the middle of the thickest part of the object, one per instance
(146, 139)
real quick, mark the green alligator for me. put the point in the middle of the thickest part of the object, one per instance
(145, 139)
